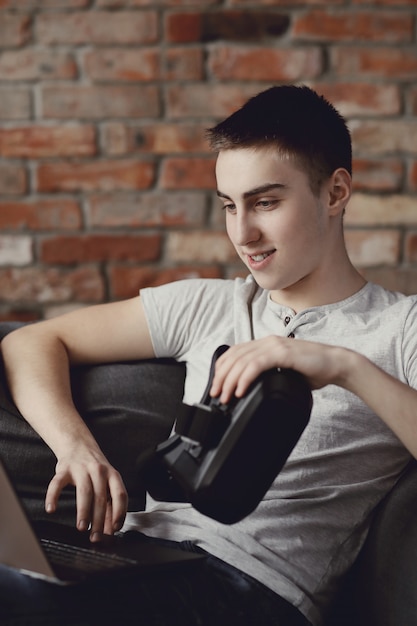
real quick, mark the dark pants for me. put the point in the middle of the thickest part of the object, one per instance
(203, 593)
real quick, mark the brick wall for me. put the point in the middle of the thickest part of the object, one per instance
(106, 184)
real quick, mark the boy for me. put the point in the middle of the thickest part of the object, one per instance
(284, 177)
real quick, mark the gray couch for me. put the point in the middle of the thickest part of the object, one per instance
(131, 406)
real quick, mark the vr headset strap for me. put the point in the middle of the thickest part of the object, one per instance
(198, 422)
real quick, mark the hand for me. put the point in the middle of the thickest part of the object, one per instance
(241, 364)
(101, 496)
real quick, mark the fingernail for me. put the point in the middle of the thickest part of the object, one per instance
(96, 536)
(82, 525)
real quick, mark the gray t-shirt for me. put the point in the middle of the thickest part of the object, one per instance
(312, 522)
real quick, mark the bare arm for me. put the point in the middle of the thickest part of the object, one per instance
(37, 359)
(393, 401)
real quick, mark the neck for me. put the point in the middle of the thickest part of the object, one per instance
(338, 284)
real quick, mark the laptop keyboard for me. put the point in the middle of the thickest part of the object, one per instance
(82, 558)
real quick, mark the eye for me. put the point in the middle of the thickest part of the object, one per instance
(266, 203)
(229, 207)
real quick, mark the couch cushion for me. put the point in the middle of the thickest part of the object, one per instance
(387, 573)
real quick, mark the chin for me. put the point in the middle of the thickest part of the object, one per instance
(271, 284)
(264, 283)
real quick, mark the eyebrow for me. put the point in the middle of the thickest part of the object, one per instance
(255, 191)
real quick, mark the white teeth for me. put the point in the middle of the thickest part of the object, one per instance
(259, 257)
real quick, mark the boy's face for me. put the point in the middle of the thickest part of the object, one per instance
(278, 227)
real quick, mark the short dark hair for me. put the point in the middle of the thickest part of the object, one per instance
(296, 120)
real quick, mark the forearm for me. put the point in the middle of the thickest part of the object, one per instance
(37, 369)
(393, 401)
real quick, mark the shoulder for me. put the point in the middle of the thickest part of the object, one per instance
(384, 299)
(394, 313)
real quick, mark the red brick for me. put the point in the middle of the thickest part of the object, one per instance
(15, 103)
(205, 100)
(115, 138)
(183, 64)
(97, 27)
(387, 62)
(413, 176)
(183, 27)
(115, 64)
(47, 214)
(199, 246)
(13, 179)
(362, 98)
(46, 4)
(264, 63)
(97, 248)
(126, 281)
(384, 137)
(225, 25)
(286, 3)
(369, 248)
(144, 3)
(186, 173)
(47, 141)
(369, 73)
(94, 176)
(160, 138)
(147, 209)
(411, 247)
(99, 101)
(388, 3)
(412, 98)
(14, 30)
(8, 314)
(369, 26)
(33, 64)
(374, 175)
(42, 285)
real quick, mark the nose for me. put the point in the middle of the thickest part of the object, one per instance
(243, 228)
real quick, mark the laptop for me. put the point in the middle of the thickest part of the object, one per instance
(63, 555)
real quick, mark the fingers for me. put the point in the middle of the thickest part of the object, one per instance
(101, 501)
(239, 366)
(230, 374)
(109, 506)
(116, 505)
(101, 498)
(53, 492)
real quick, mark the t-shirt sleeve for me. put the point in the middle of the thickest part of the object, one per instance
(179, 312)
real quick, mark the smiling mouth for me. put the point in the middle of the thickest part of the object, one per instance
(260, 257)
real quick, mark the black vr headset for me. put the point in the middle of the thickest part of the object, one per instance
(223, 458)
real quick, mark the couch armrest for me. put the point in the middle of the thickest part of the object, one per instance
(386, 581)
(380, 589)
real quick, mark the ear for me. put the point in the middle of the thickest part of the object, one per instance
(339, 190)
